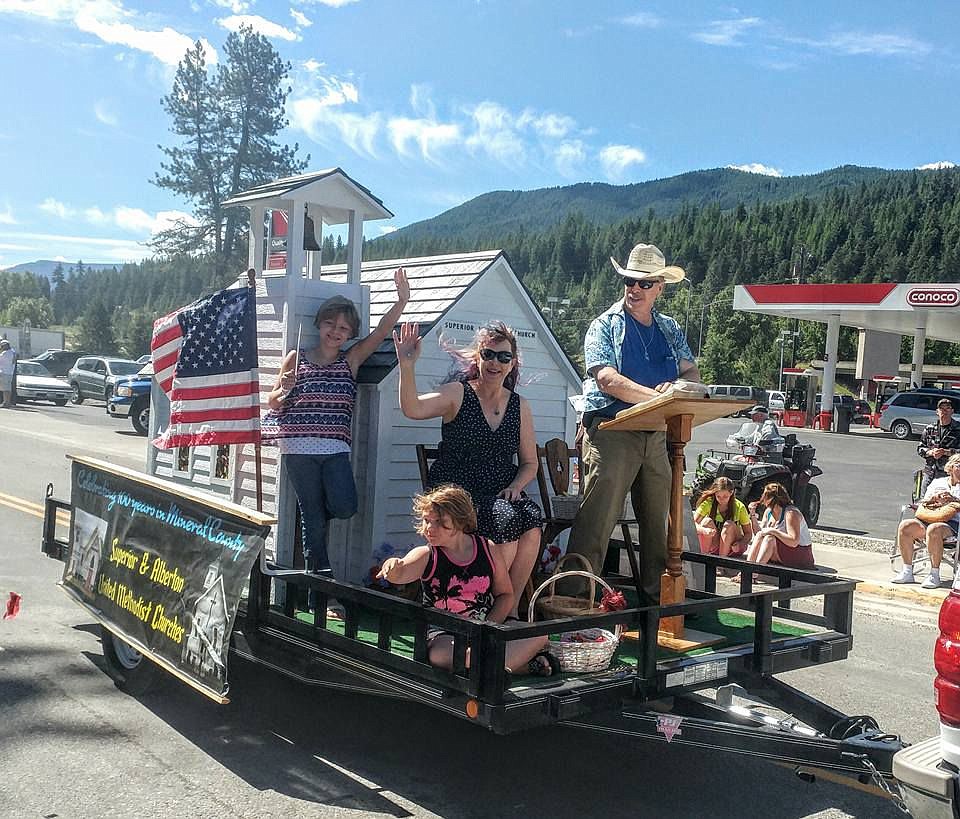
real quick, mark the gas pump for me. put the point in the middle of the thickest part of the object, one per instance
(800, 387)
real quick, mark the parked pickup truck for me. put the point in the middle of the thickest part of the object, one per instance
(131, 397)
(929, 772)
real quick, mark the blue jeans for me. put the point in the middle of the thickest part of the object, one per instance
(325, 489)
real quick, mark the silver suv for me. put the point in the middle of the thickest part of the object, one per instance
(908, 413)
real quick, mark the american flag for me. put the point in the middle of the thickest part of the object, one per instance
(205, 360)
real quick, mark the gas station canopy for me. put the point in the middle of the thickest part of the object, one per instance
(922, 311)
(887, 308)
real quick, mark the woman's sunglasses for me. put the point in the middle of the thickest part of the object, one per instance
(644, 284)
(503, 356)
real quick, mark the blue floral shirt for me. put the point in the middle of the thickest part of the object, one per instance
(603, 346)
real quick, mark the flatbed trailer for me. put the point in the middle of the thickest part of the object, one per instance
(725, 697)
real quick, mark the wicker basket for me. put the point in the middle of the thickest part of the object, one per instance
(554, 606)
(565, 507)
(589, 649)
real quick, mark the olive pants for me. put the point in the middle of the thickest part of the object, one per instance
(616, 462)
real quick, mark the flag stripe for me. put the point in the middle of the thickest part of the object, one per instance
(208, 414)
(220, 391)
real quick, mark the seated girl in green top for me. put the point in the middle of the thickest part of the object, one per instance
(723, 522)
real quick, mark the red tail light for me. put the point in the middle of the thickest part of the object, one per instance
(884, 408)
(946, 659)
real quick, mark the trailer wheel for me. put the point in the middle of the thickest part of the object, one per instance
(811, 505)
(132, 673)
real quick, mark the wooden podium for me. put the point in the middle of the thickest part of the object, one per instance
(678, 415)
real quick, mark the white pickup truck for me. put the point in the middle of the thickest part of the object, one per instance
(929, 772)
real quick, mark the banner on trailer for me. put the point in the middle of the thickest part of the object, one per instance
(161, 570)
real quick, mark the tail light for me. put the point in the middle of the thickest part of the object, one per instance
(946, 660)
(884, 408)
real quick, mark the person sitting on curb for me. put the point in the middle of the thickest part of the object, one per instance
(933, 534)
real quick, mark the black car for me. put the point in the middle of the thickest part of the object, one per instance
(861, 411)
(58, 362)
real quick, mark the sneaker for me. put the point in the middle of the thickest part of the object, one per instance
(932, 581)
(905, 576)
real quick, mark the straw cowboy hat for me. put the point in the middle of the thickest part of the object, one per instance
(647, 262)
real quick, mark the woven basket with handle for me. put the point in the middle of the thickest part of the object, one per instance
(583, 650)
(554, 605)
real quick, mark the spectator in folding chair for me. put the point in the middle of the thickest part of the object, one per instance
(937, 520)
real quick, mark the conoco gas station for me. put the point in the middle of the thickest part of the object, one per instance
(883, 314)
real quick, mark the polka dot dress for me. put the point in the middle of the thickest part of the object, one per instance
(481, 460)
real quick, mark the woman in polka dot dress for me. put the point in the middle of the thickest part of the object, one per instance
(488, 446)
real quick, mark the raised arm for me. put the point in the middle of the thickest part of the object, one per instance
(406, 569)
(526, 455)
(285, 381)
(444, 403)
(364, 348)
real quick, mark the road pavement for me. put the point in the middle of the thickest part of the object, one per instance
(74, 746)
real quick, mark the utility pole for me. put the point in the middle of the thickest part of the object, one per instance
(796, 321)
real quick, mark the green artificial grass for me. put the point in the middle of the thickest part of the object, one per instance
(736, 627)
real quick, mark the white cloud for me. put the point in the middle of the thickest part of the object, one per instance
(332, 3)
(6, 216)
(757, 167)
(642, 19)
(301, 19)
(569, 156)
(856, 43)
(942, 165)
(494, 133)
(553, 126)
(103, 113)
(110, 22)
(167, 45)
(55, 208)
(236, 6)
(726, 32)
(260, 25)
(319, 120)
(616, 159)
(385, 229)
(429, 136)
(74, 247)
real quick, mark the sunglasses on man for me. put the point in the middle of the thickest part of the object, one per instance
(503, 356)
(644, 284)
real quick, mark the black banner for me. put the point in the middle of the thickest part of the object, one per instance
(162, 569)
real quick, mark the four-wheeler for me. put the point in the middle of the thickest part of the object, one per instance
(754, 466)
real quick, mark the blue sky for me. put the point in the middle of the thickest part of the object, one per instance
(432, 103)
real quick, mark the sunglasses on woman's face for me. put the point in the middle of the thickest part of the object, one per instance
(644, 284)
(503, 356)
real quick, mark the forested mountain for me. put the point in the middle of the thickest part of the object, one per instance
(500, 212)
(901, 226)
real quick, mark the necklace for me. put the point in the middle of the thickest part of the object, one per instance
(646, 344)
(496, 405)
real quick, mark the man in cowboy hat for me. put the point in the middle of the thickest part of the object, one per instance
(631, 353)
(8, 363)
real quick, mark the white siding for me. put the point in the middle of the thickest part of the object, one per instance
(545, 382)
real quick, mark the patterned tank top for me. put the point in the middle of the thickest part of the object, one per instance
(465, 589)
(320, 405)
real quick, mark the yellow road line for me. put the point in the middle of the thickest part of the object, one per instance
(30, 508)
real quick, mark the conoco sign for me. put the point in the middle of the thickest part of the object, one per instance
(933, 297)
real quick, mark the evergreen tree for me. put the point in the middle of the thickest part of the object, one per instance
(227, 126)
(96, 329)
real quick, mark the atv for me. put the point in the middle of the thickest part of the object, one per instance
(783, 461)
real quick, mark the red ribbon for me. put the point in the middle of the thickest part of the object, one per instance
(613, 601)
(13, 606)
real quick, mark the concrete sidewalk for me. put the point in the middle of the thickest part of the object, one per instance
(874, 569)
